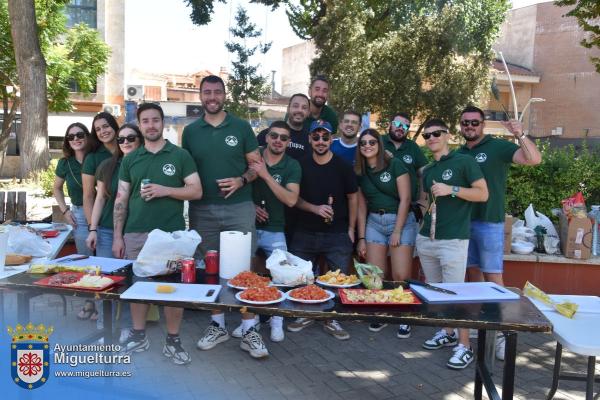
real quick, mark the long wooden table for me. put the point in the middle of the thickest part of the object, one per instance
(510, 317)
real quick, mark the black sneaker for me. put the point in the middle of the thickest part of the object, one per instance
(253, 343)
(440, 339)
(136, 343)
(376, 326)
(403, 332)
(175, 352)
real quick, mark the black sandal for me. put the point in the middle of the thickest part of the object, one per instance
(89, 309)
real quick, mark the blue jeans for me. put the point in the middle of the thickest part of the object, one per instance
(380, 228)
(335, 247)
(80, 232)
(486, 247)
(104, 240)
(269, 241)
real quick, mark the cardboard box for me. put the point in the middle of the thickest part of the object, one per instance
(576, 237)
(508, 221)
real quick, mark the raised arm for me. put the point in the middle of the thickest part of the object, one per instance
(528, 154)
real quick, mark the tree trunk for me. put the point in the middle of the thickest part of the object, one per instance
(31, 68)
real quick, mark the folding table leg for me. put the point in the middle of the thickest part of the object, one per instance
(108, 321)
(480, 360)
(556, 373)
(508, 380)
(589, 388)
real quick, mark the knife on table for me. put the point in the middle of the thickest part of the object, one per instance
(428, 286)
(73, 258)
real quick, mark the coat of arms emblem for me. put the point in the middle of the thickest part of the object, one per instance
(30, 355)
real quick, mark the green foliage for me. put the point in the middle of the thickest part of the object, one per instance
(587, 13)
(46, 178)
(562, 173)
(245, 84)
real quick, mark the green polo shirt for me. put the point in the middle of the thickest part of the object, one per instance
(220, 152)
(69, 169)
(106, 218)
(92, 160)
(413, 158)
(169, 167)
(285, 171)
(453, 213)
(327, 114)
(494, 156)
(380, 188)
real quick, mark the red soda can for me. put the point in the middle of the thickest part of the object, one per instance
(188, 270)
(211, 261)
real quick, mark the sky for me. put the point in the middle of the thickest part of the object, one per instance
(180, 47)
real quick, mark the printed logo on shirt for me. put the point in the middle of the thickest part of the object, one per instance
(407, 159)
(481, 157)
(231, 141)
(385, 177)
(278, 178)
(169, 169)
(447, 174)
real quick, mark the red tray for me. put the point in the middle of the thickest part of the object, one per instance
(45, 282)
(50, 234)
(344, 299)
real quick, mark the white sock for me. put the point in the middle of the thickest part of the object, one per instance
(276, 321)
(219, 319)
(247, 324)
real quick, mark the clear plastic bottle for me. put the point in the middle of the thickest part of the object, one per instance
(595, 215)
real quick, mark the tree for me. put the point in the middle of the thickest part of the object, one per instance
(587, 13)
(36, 73)
(245, 84)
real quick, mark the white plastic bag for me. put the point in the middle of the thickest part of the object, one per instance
(535, 218)
(160, 247)
(521, 233)
(23, 241)
(287, 269)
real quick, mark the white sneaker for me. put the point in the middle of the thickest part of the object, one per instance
(237, 332)
(213, 335)
(253, 343)
(335, 329)
(462, 357)
(277, 334)
(500, 347)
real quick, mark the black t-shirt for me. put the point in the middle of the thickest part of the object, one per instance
(336, 178)
(298, 145)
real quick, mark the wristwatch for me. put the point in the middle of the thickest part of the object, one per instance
(455, 190)
(244, 180)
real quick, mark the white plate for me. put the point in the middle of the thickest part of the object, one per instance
(330, 295)
(333, 285)
(261, 303)
(40, 226)
(242, 287)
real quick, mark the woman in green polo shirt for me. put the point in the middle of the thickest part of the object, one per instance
(75, 146)
(104, 145)
(100, 235)
(385, 225)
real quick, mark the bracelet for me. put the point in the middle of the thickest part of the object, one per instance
(360, 239)
(66, 209)
(92, 230)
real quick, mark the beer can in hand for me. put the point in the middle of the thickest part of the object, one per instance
(211, 261)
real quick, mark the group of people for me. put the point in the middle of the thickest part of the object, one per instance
(302, 190)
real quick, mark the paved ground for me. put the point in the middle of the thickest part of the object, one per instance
(307, 365)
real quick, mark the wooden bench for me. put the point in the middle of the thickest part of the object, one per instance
(13, 206)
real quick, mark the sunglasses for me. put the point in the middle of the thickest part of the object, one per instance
(439, 133)
(316, 137)
(71, 136)
(283, 138)
(371, 142)
(130, 138)
(472, 122)
(399, 124)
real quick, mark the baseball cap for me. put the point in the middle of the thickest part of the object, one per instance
(320, 124)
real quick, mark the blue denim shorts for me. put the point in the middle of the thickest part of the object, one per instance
(269, 241)
(486, 247)
(380, 228)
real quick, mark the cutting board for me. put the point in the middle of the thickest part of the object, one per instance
(467, 292)
(186, 292)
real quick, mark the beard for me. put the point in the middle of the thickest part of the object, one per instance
(397, 136)
(471, 138)
(218, 109)
(320, 151)
(318, 101)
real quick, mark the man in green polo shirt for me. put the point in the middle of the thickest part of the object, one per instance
(318, 92)
(223, 146)
(277, 186)
(494, 156)
(140, 208)
(451, 183)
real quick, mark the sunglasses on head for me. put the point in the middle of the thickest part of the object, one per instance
(439, 133)
(399, 124)
(472, 122)
(371, 142)
(316, 137)
(71, 136)
(283, 138)
(130, 138)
